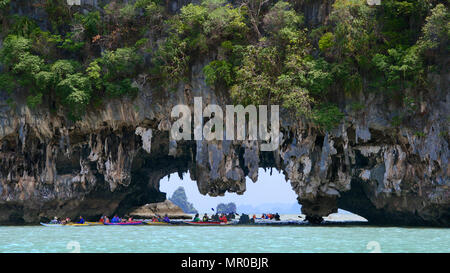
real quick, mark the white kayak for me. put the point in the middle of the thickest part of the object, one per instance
(52, 225)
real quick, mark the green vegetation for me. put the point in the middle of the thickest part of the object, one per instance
(419, 134)
(327, 41)
(196, 32)
(327, 116)
(261, 52)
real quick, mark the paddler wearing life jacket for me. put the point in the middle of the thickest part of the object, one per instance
(223, 218)
(196, 218)
(205, 218)
(81, 221)
(215, 217)
(166, 219)
(277, 217)
(115, 219)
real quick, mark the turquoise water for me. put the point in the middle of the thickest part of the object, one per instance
(295, 239)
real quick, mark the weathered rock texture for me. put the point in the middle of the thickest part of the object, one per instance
(113, 160)
(154, 209)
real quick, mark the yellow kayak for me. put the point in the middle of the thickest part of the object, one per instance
(156, 223)
(77, 225)
(95, 223)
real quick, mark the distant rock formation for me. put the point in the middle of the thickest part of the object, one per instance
(226, 208)
(179, 198)
(167, 207)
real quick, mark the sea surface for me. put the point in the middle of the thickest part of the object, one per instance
(228, 239)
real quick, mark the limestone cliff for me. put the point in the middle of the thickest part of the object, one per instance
(113, 159)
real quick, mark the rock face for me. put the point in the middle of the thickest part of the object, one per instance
(112, 160)
(167, 207)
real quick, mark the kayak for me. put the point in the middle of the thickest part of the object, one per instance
(61, 225)
(77, 225)
(52, 225)
(95, 223)
(125, 223)
(156, 223)
(208, 223)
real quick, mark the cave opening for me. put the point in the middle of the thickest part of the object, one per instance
(155, 176)
(270, 194)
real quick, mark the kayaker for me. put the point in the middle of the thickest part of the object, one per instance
(154, 219)
(166, 219)
(215, 217)
(205, 218)
(66, 221)
(102, 219)
(55, 221)
(244, 219)
(277, 217)
(115, 219)
(81, 221)
(196, 218)
(223, 218)
(107, 220)
(130, 219)
(230, 216)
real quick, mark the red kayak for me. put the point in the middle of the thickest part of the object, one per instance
(208, 223)
(125, 223)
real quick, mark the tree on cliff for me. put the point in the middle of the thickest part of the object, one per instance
(226, 208)
(179, 198)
